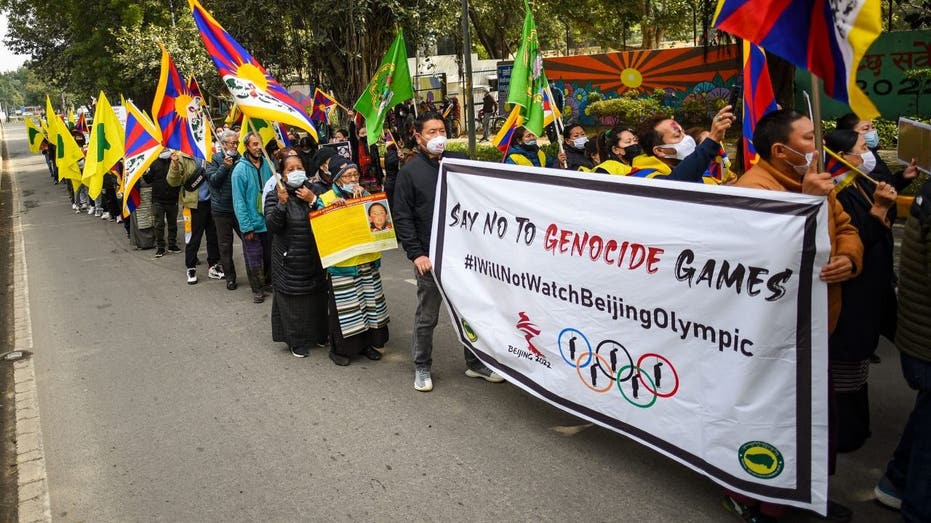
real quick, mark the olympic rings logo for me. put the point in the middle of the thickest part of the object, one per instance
(610, 365)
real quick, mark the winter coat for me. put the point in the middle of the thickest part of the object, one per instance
(913, 336)
(296, 267)
(247, 183)
(414, 196)
(868, 301)
(221, 187)
(157, 176)
(845, 241)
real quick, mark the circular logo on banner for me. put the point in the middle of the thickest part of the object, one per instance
(467, 329)
(760, 459)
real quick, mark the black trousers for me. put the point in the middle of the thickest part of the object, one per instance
(166, 214)
(226, 225)
(202, 223)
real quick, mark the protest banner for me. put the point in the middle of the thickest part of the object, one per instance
(687, 317)
(362, 226)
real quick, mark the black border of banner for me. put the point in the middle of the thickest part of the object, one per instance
(670, 191)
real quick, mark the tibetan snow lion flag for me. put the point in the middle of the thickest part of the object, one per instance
(179, 114)
(256, 92)
(826, 37)
(142, 143)
(759, 98)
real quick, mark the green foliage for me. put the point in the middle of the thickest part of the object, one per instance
(482, 151)
(630, 107)
(595, 96)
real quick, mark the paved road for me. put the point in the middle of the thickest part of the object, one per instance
(167, 402)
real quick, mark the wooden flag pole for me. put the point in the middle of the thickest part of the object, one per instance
(557, 122)
(816, 117)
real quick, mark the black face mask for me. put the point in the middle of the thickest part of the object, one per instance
(632, 150)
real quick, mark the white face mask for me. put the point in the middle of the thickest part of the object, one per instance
(869, 162)
(296, 179)
(801, 169)
(579, 143)
(683, 148)
(436, 145)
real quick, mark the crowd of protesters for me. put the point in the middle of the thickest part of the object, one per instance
(343, 307)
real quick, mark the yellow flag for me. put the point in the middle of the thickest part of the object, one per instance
(67, 152)
(105, 148)
(35, 136)
(265, 129)
(71, 118)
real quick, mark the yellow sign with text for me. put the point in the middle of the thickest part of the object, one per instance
(361, 226)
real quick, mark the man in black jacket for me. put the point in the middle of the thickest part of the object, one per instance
(414, 196)
(164, 204)
(221, 203)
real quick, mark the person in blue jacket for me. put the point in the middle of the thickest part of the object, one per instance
(249, 176)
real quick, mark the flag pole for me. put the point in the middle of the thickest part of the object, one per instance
(557, 122)
(816, 116)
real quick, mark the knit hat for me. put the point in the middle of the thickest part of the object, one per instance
(341, 168)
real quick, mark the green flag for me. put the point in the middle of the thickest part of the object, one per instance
(528, 81)
(390, 86)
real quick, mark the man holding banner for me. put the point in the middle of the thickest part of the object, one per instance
(785, 143)
(414, 199)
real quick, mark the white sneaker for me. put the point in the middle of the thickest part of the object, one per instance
(119, 219)
(191, 276)
(422, 380)
(74, 206)
(90, 211)
(485, 373)
(215, 272)
(105, 216)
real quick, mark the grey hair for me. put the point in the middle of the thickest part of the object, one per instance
(226, 135)
(249, 136)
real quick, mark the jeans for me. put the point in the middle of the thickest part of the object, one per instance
(910, 468)
(425, 319)
(81, 197)
(226, 225)
(165, 212)
(201, 224)
(486, 124)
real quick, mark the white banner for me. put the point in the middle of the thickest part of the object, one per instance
(688, 317)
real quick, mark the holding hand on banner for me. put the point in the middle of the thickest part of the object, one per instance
(423, 265)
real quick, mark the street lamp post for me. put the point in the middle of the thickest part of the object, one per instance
(470, 102)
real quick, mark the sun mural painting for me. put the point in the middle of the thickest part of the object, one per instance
(680, 72)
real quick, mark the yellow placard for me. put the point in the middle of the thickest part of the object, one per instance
(362, 226)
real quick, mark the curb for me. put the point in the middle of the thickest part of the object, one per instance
(33, 495)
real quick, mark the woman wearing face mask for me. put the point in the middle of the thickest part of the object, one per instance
(525, 151)
(617, 148)
(868, 303)
(574, 142)
(299, 305)
(877, 169)
(358, 310)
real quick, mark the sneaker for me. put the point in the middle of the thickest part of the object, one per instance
(748, 513)
(159, 252)
(215, 272)
(98, 213)
(119, 219)
(422, 380)
(485, 373)
(105, 216)
(90, 211)
(299, 352)
(231, 285)
(258, 297)
(323, 344)
(174, 249)
(74, 207)
(887, 494)
(191, 276)
(77, 210)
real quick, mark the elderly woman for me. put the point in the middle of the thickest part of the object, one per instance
(358, 309)
(299, 306)
(868, 308)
